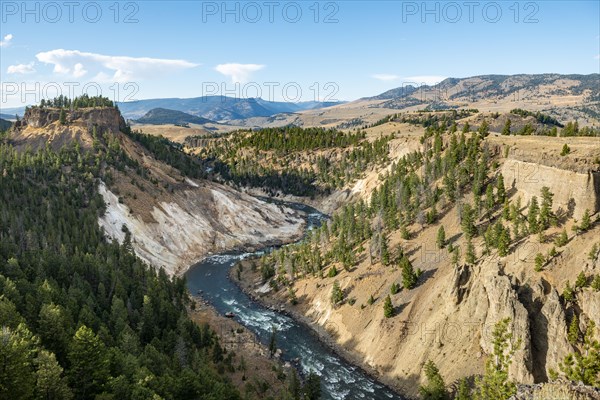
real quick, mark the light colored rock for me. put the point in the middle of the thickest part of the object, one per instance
(589, 301)
(555, 334)
(198, 222)
(529, 178)
(503, 302)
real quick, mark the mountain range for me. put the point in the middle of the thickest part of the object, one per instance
(219, 108)
(162, 116)
(545, 90)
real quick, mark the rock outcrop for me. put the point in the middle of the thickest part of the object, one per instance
(199, 221)
(493, 298)
(572, 190)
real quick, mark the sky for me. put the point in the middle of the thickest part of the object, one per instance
(282, 50)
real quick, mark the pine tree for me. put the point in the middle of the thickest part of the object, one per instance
(441, 237)
(562, 239)
(435, 389)
(468, 221)
(466, 127)
(294, 387)
(16, 372)
(89, 363)
(532, 215)
(312, 387)
(337, 295)
(585, 221)
(464, 391)
(546, 215)
(500, 190)
(539, 262)
(596, 283)
(593, 254)
(371, 300)
(455, 255)
(484, 128)
(502, 239)
(409, 277)
(584, 365)
(51, 384)
(568, 293)
(388, 308)
(385, 251)
(489, 198)
(404, 233)
(495, 383)
(565, 150)
(273, 342)
(470, 253)
(62, 118)
(55, 328)
(217, 352)
(332, 272)
(506, 129)
(581, 281)
(573, 334)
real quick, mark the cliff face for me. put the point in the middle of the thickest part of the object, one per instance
(576, 191)
(41, 127)
(198, 221)
(106, 117)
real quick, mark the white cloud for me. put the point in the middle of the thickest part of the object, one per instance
(6, 41)
(385, 77)
(597, 57)
(21, 69)
(78, 70)
(238, 72)
(110, 68)
(424, 79)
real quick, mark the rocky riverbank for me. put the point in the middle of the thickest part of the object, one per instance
(249, 282)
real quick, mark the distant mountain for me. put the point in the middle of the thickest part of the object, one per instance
(523, 87)
(4, 124)
(219, 108)
(395, 93)
(9, 113)
(161, 116)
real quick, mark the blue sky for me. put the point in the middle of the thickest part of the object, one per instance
(346, 50)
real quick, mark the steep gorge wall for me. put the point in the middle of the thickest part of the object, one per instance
(581, 188)
(199, 221)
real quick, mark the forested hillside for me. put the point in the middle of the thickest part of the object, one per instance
(302, 162)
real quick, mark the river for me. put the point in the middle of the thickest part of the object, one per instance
(339, 379)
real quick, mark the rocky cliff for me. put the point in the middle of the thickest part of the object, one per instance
(573, 191)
